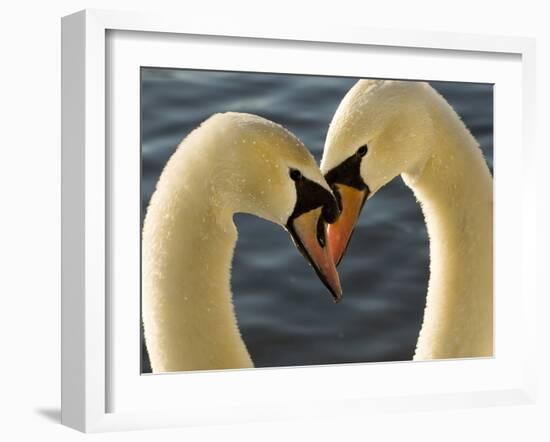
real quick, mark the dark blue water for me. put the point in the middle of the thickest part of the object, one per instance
(285, 314)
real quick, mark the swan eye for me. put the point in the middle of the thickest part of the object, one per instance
(362, 151)
(295, 174)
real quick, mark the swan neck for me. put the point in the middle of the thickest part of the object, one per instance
(455, 192)
(188, 242)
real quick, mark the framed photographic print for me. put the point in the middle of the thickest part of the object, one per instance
(263, 224)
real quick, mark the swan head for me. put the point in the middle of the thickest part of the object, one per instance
(379, 131)
(266, 171)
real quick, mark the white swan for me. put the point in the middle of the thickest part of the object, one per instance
(382, 129)
(231, 163)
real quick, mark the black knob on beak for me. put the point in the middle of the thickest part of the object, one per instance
(331, 212)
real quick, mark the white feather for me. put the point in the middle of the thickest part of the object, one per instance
(413, 132)
(231, 163)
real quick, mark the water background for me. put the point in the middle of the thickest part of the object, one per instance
(285, 314)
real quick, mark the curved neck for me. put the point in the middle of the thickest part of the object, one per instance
(455, 191)
(188, 244)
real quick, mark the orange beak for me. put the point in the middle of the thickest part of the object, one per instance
(310, 236)
(339, 233)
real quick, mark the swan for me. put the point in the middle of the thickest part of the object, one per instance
(231, 163)
(382, 129)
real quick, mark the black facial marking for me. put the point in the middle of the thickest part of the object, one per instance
(321, 238)
(309, 196)
(295, 174)
(348, 172)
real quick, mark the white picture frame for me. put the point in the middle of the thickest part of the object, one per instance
(88, 323)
